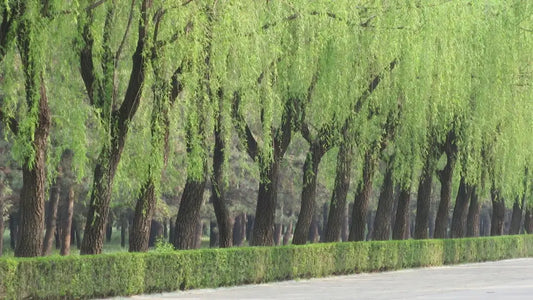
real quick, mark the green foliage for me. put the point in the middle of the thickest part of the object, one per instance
(133, 273)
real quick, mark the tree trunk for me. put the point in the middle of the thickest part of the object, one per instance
(248, 226)
(401, 224)
(156, 232)
(288, 234)
(142, 219)
(66, 222)
(213, 235)
(528, 221)
(340, 191)
(13, 229)
(51, 217)
(189, 213)
(446, 179)
(123, 230)
(171, 231)
(308, 196)
(1, 217)
(461, 209)
(263, 233)
(362, 198)
(199, 233)
(345, 232)
(97, 215)
(238, 233)
(382, 222)
(516, 219)
(117, 123)
(423, 199)
(498, 213)
(314, 237)
(278, 229)
(472, 221)
(109, 229)
(30, 231)
(224, 220)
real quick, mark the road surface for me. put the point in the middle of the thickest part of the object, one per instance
(508, 279)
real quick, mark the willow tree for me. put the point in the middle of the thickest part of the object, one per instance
(99, 67)
(30, 126)
(167, 55)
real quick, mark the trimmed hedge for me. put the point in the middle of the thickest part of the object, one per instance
(136, 273)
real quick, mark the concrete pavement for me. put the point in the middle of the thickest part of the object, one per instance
(508, 279)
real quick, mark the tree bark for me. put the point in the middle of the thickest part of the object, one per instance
(314, 237)
(156, 232)
(498, 213)
(516, 219)
(472, 221)
(30, 238)
(13, 229)
(124, 224)
(51, 217)
(308, 196)
(263, 233)
(423, 199)
(118, 124)
(1, 217)
(382, 222)
(288, 234)
(362, 198)
(239, 229)
(278, 229)
(460, 210)
(401, 223)
(528, 221)
(142, 219)
(213, 235)
(189, 213)
(66, 222)
(109, 228)
(248, 227)
(340, 191)
(446, 179)
(222, 213)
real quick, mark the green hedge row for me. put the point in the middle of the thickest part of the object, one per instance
(135, 273)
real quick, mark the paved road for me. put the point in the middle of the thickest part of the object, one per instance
(508, 279)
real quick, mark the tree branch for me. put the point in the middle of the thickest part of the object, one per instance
(133, 92)
(124, 37)
(243, 130)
